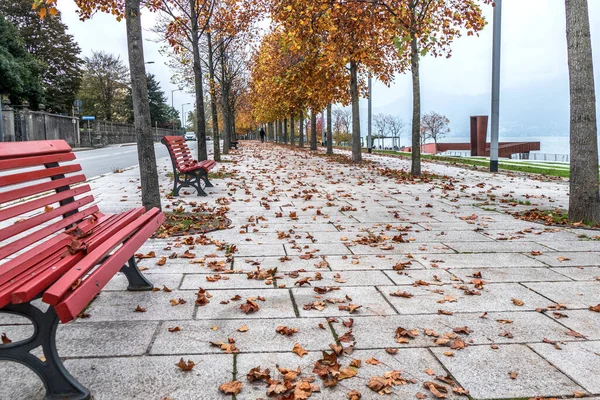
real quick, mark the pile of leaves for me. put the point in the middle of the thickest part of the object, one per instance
(183, 223)
(553, 217)
(404, 176)
(290, 385)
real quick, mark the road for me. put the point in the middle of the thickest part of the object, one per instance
(108, 159)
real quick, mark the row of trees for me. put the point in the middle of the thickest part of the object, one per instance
(318, 53)
(106, 93)
(321, 53)
(40, 62)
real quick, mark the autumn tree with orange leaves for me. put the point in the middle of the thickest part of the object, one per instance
(348, 36)
(428, 27)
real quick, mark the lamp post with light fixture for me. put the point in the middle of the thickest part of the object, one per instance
(183, 119)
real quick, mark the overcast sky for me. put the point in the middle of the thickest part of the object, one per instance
(534, 67)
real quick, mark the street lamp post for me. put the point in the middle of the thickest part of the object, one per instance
(370, 120)
(173, 104)
(183, 119)
(497, 40)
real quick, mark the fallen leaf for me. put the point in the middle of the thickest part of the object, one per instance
(513, 374)
(299, 350)
(243, 328)
(140, 309)
(372, 361)
(175, 329)
(233, 387)
(5, 339)
(186, 366)
(518, 302)
(286, 331)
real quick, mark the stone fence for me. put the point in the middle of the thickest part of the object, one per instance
(18, 124)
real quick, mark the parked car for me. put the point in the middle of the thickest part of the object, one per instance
(190, 136)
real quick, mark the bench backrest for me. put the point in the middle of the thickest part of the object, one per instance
(179, 151)
(37, 194)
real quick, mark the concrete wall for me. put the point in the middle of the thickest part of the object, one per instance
(36, 125)
(102, 133)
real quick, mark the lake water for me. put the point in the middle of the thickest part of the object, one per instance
(548, 144)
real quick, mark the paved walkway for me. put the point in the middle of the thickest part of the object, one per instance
(432, 279)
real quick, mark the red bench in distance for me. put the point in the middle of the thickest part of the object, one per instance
(187, 172)
(56, 245)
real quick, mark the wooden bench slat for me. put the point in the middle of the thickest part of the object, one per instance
(29, 176)
(27, 191)
(8, 288)
(77, 300)
(33, 148)
(36, 160)
(40, 219)
(22, 243)
(31, 205)
(62, 285)
(56, 245)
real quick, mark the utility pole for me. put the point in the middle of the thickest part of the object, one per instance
(183, 119)
(370, 119)
(496, 52)
(173, 106)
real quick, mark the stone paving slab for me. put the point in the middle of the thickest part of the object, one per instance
(121, 306)
(580, 361)
(226, 281)
(494, 297)
(371, 262)
(536, 376)
(412, 363)
(172, 281)
(258, 335)
(495, 328)
(570, 259)
(571, 294)
(404, 248)
(432, 276)
(258, 390)
(370, 300)
(496, 247)
(584, 322)
(292, 263)
(317, 249)
(499, 275)
(579, 273)
(277, 304)
(500, 260)
(579, 246)
(338, 278)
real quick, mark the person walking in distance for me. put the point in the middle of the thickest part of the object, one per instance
(262, 135)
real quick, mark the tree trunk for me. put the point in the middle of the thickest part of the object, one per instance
(225, 107)
(201, 121)
(329, 133)
(285, 131)
(292, 140)
(213, 101)
(313, 130)
(301, 130)
(356, 139)
(416, 120)
(584, 201)
(141, 107)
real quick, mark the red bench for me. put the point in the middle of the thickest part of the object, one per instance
(187, 172)
(56, 245)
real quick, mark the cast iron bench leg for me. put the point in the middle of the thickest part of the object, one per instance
(204, 176)
(137, 281)
(59, 383)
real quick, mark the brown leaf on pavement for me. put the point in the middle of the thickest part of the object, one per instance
(140, 309)
(233, 387)
(299, 350)
(249, 307)
(353, 395)
(595, 308)
(5, 339)
(256, 374)
(518, 302)
(286, 331)
(186, 366)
